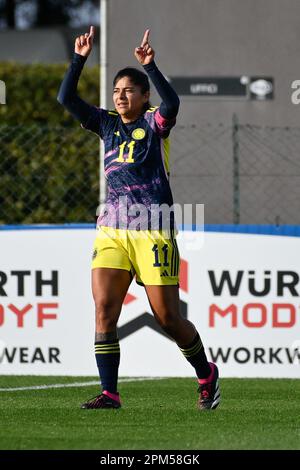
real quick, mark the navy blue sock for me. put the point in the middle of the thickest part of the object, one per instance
(108, 359)
(195, 355)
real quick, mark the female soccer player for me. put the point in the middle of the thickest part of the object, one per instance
(134, 237)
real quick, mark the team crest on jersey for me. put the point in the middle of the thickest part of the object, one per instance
(138, 134)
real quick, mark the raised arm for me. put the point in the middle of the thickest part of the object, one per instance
(170, 101)
(67, 95)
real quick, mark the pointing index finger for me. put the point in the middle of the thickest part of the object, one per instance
(145, 38)
(92, 32)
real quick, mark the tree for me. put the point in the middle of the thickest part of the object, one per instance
(53, 12)
(47, 12)
(7, 11)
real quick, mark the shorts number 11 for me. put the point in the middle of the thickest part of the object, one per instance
(156, 255)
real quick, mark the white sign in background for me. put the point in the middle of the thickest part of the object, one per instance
(48, 328)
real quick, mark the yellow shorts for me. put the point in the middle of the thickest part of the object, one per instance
(150, 254)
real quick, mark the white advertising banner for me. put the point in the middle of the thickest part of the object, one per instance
(240, 290)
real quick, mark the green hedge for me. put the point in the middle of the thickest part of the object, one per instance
(31, 92)
(49, 165)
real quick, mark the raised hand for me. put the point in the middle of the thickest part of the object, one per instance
(84, 43)
(145, 54)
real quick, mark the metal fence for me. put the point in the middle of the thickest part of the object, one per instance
(241, 173)
(48, 174)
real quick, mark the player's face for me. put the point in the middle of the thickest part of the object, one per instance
(128, 99)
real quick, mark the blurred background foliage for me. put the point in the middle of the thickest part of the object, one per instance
(49, 165)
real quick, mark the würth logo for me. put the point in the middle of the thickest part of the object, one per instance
(282, 282)
(146, 318)
(257, 312)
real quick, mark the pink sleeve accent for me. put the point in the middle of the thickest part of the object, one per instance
(163, 124)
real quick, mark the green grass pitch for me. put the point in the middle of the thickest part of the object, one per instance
(156, 414)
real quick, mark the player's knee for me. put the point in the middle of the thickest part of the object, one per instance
(105, 309)
(168, 321)
(106, 323)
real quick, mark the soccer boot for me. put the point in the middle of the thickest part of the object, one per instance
(104, 400)
(209, 391)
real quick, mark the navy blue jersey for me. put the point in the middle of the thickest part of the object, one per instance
(136, 154)
(136, 165)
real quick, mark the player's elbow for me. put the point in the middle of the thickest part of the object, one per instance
(169, 110)
(173, 107)
(63, 96)
(176, 106)
(61, 99)
(172, 110)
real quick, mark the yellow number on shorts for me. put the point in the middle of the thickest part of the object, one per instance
(164, 249)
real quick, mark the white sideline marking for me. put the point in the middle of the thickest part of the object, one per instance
(74, 384)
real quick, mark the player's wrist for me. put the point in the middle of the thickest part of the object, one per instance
(151, 66)
(79, 57)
